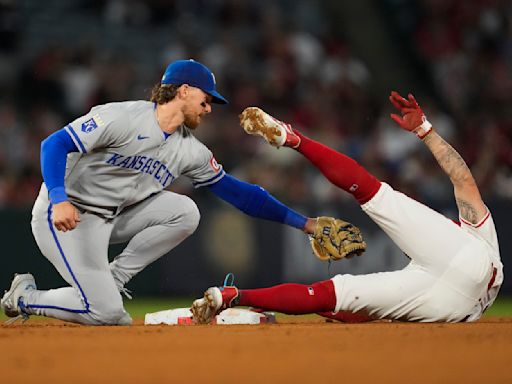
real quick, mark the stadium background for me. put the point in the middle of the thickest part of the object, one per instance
(325, 66)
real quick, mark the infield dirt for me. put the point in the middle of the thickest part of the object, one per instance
(300, 351)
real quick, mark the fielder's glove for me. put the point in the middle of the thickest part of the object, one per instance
(335, 239)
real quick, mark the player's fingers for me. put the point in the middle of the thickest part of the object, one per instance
(413, 100)
(64, 224)
(396, 94)
(397, 119)
(59, 226)
(400, 103)
(71, 224)
(399, 99)
(395, 103)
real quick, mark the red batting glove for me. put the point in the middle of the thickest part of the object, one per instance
(413, 119)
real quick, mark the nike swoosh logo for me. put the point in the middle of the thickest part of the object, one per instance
(140, 137)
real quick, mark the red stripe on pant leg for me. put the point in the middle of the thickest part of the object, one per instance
(293, 299)
(339, 169)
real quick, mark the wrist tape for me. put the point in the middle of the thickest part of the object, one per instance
(424, 129)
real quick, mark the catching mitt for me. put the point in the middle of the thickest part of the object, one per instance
(335, 239)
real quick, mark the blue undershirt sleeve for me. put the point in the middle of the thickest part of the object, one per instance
(256, 201)
(54, 152)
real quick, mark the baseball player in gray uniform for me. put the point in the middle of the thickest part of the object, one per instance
(105, 176)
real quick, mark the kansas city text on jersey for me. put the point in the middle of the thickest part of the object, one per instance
(144, 164)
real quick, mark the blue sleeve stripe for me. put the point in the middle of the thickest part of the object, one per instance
(210, 181)
(75, 138)
(256, 202)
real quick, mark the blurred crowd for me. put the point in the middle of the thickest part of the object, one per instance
(465, 50)
(285, 56)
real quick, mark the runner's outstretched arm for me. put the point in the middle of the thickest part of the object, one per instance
(467, 196)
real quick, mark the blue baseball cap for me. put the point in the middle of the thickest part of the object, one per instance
(193, 73)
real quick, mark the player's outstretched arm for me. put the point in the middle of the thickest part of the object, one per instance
(257, 202)
(470, 204)
(468, 198)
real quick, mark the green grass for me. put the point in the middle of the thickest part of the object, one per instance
(501, 307)
(138, 307)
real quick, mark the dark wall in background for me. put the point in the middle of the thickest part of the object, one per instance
(259, 253)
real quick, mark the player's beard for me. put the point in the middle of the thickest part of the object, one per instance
(192, 120)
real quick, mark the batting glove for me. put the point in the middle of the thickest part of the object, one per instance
(412, 118)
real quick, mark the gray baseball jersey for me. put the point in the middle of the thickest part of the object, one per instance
(125, 157)
(125, 160)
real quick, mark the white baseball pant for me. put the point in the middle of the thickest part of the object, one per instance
(446, 279)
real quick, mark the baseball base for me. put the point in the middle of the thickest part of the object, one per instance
(230, 316)
(169, 317)
(243, 316)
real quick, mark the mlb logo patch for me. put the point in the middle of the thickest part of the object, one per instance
(90, 125)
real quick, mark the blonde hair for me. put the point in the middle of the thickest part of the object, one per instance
(163, 93)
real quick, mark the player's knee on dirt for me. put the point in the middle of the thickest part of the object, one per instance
(112, 316)
(125, 320)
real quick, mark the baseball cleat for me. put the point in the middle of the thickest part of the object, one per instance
(255, 121)
(215, 300)
(12, 301)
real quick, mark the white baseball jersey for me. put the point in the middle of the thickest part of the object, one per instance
(125, 157)
(455, 272)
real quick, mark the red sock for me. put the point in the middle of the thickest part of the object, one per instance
(293, 299)
(339, 169)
